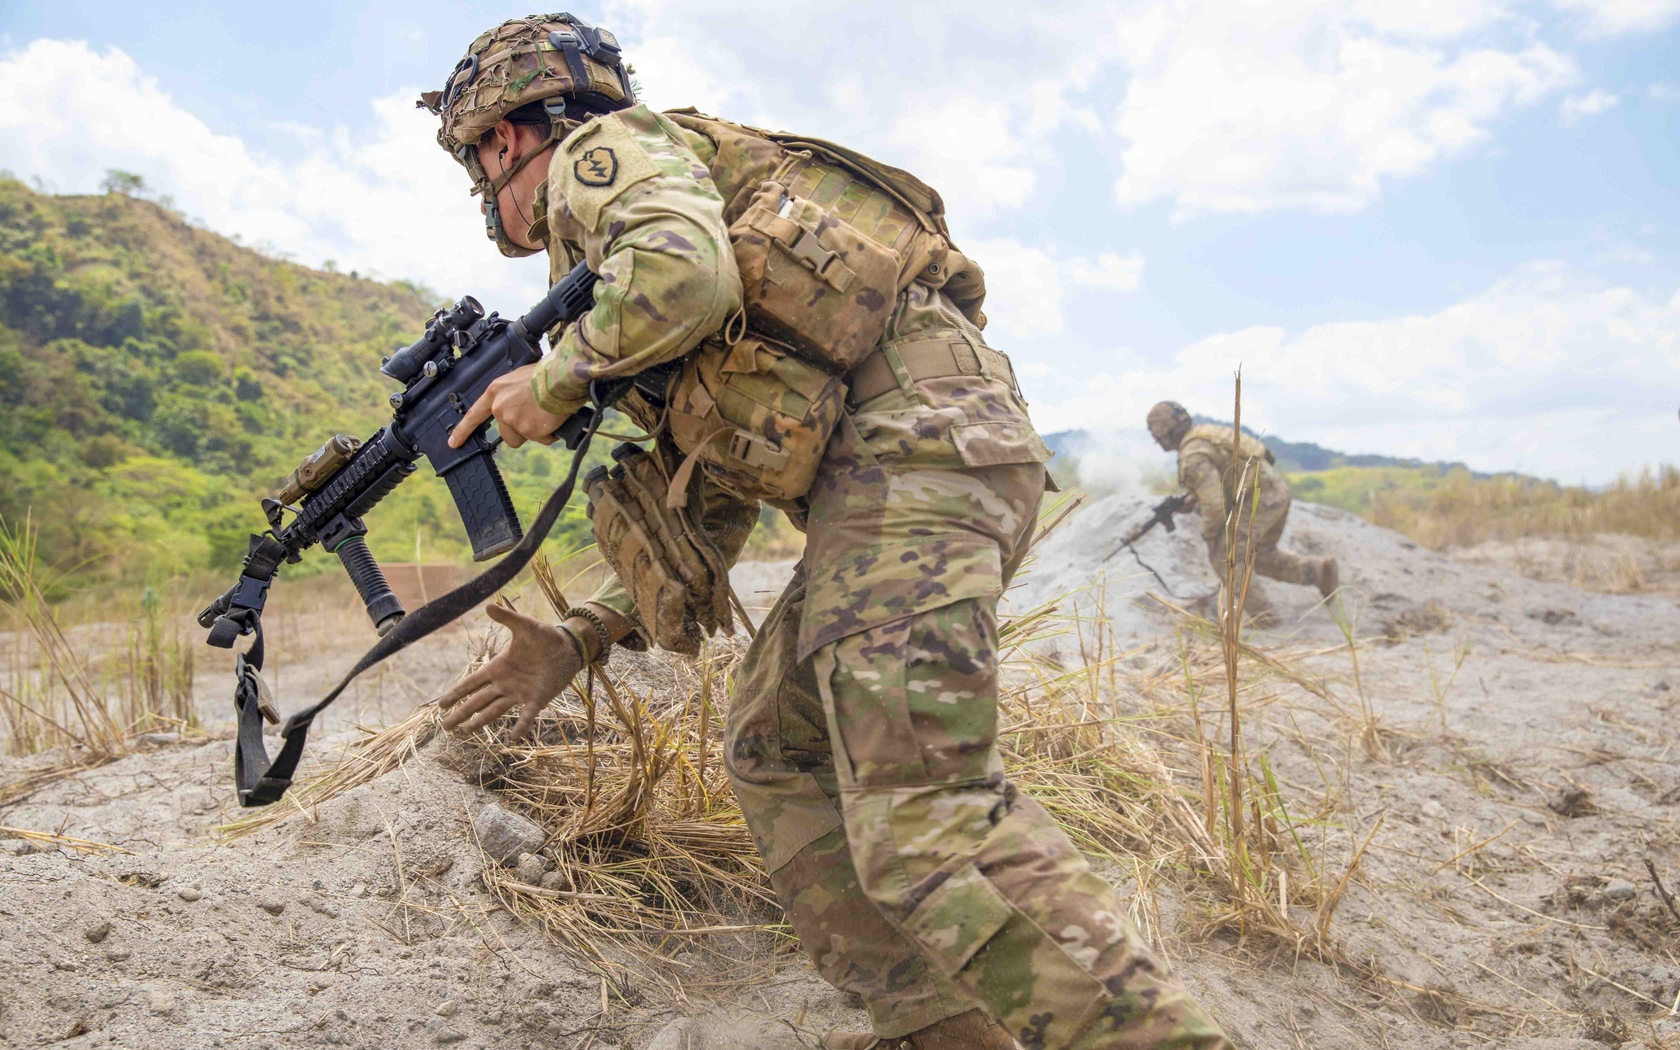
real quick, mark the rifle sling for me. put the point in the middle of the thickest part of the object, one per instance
(261, 782)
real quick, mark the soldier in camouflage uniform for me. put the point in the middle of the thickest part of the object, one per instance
(1205, 460)
(862, 734)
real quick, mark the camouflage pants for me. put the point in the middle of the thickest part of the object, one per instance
(1271, 514)
(862, 745)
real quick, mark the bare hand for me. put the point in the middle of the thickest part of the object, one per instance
(538, 662)
(518, 417)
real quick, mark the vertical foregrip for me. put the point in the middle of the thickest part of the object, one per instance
(486, 509)
(383, 607)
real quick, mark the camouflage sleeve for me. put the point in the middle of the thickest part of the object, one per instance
(629, 190)
(727, 520)
(1200, 476)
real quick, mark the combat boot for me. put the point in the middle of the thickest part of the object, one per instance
(969, 1031)
(1329, 576)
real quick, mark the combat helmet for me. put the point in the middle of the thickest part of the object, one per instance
(574, 69)
(1168, 423)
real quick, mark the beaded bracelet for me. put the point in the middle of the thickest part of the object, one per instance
(595, 621)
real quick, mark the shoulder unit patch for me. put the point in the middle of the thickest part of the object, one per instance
(597, 167)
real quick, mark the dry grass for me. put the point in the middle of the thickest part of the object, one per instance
(49, 840)
(1466, 510)
(92, 688)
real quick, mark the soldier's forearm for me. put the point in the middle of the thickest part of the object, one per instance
(657, 307)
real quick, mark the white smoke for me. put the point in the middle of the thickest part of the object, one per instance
(1125, 461)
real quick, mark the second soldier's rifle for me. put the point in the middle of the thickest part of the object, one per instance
(1160, 514)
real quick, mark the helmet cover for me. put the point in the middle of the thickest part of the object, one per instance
(534, 59)
(1168, 422)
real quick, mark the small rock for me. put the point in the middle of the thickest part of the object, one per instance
(447, 1036)
(118, 954)
(1661, 687)
(530, 869)
(1552, 617)
(160, 1002)
(553, 880)
(273, 907)
(317, 885)
(189, 894)
(504, 835)
(1573, 802)
(151, 880)
(681, 1034)
(447, 1008)
(359, 890)
(1620, 890)
(97, 932)
(1432, 809)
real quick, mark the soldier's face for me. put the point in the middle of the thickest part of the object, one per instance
(499, 152)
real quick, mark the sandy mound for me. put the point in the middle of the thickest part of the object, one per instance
(1393, 587)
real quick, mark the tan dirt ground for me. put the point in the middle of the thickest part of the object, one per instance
(1504, 901)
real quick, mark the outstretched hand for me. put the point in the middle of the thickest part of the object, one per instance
(538, 661)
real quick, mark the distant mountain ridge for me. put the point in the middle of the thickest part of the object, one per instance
(1292, 456)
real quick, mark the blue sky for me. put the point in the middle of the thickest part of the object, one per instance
(1442, 228)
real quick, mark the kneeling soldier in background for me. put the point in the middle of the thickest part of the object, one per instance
(1205, 458)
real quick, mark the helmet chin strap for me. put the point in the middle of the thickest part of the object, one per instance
(490, 189)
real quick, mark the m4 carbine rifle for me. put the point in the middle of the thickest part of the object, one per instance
(443, 373)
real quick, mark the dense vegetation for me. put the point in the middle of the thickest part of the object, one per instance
(157, 379)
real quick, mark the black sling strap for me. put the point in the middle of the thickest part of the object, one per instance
(261, 782)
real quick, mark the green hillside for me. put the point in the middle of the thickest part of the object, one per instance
(157, 379)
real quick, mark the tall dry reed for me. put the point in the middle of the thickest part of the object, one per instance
(92, 687)
(49, 699)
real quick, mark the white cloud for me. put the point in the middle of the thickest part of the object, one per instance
(1117, 273)
(1305, 104)
(1609, 18)
(1578, 107)
(1027, 287)
(1223, 107)
(1548, 371)
(967, 96)
(385, 200)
